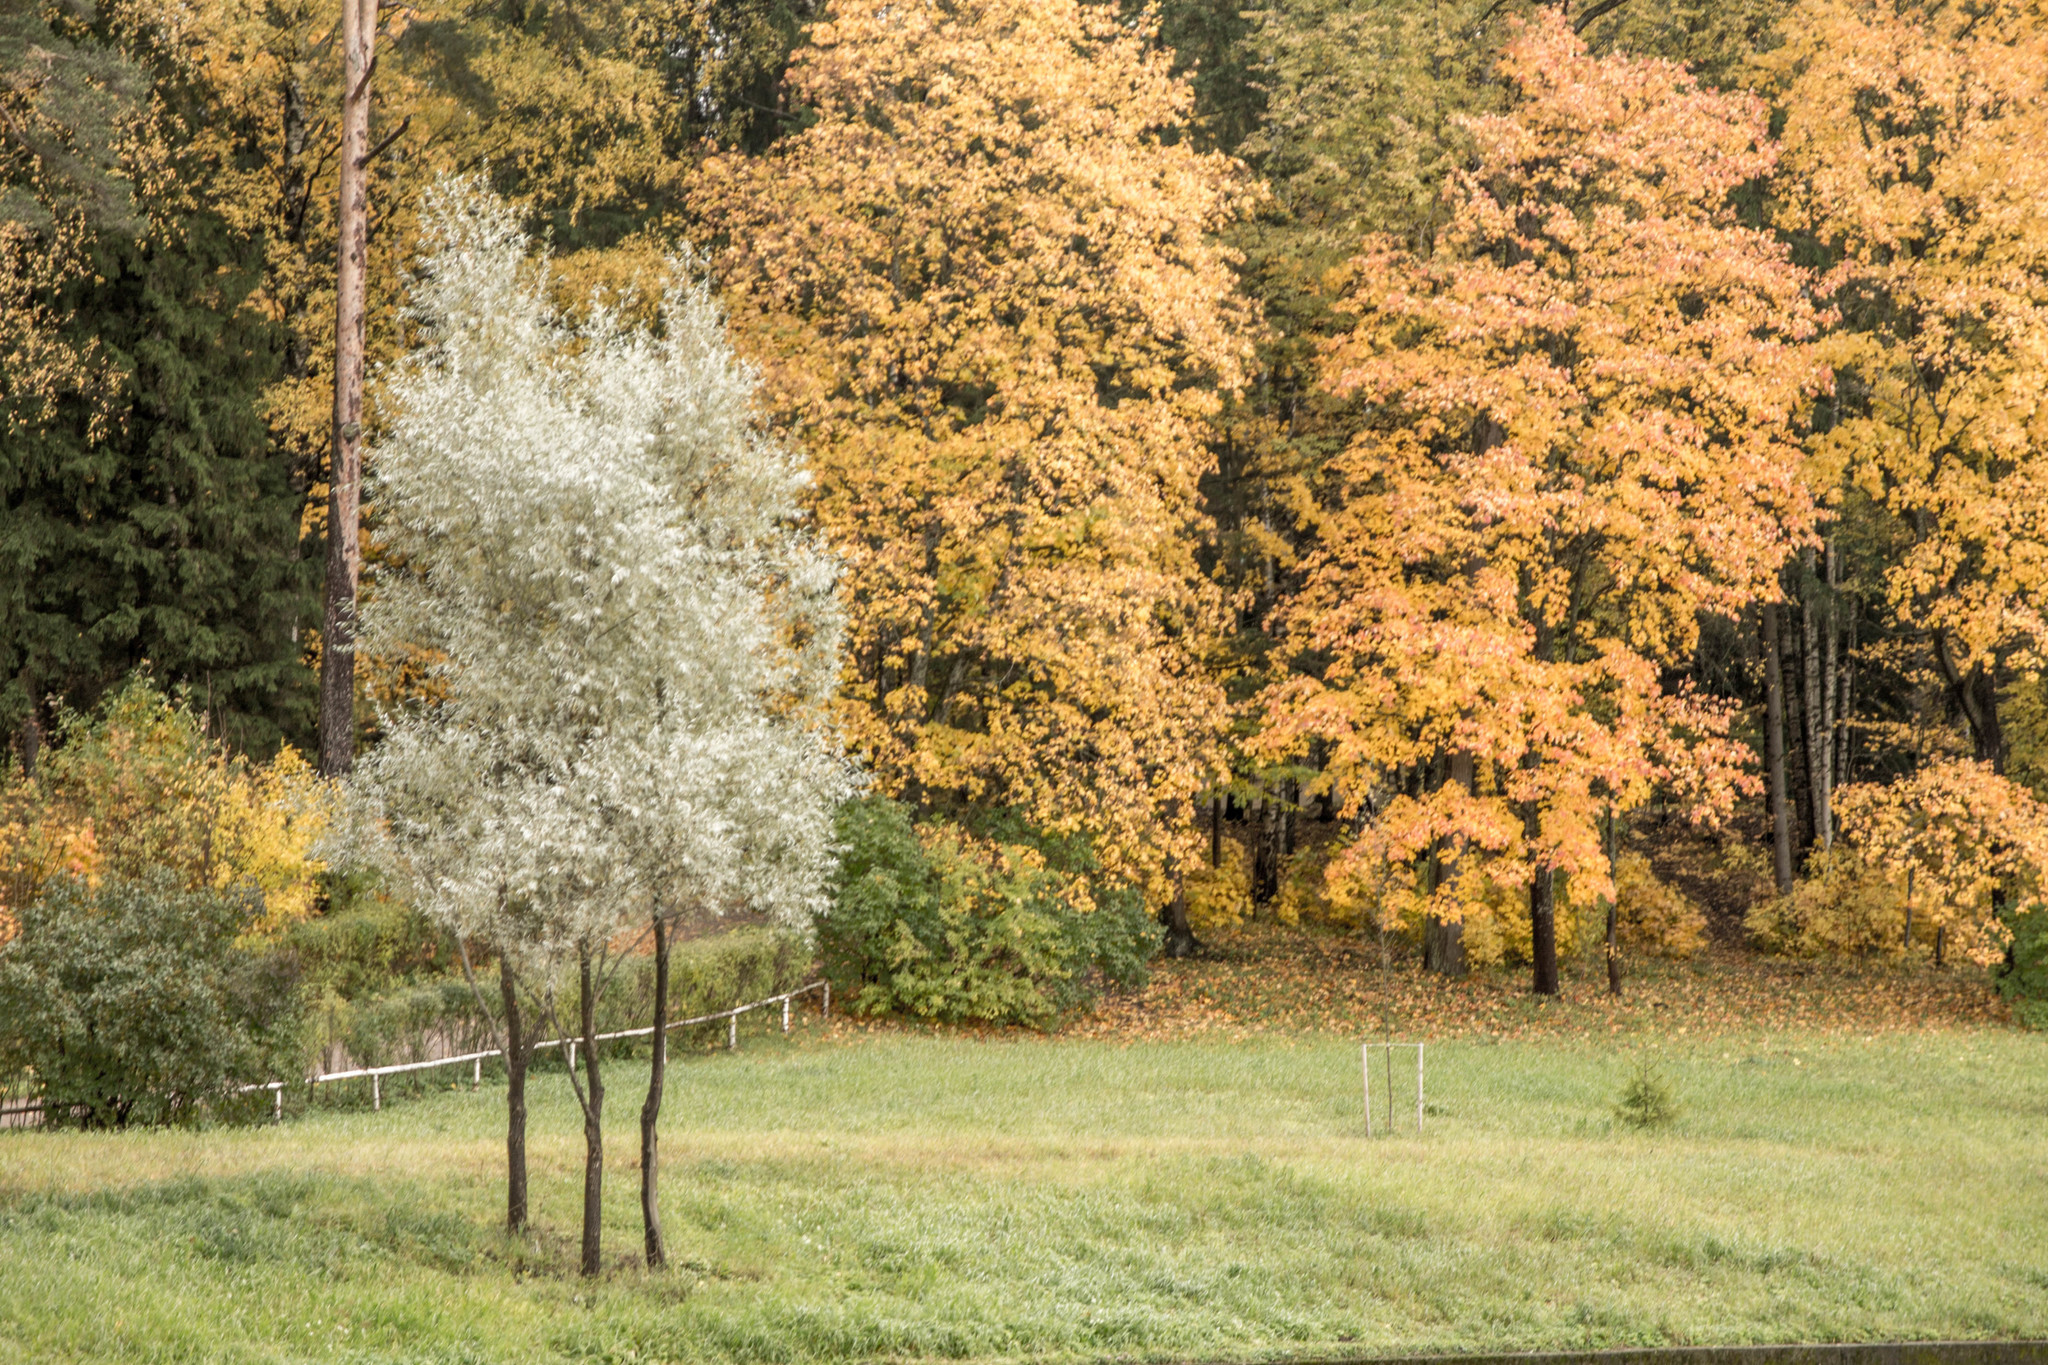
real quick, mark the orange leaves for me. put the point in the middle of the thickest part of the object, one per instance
(1582, 438)
(985, 297)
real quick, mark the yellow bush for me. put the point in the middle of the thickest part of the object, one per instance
(1844, 904)
(1219, 897)
(140, 785)
(1654, 917)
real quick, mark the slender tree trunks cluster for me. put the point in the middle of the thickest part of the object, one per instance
(1808, 654)
(1273, 816)
(344, 478)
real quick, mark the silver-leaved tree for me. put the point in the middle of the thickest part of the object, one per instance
(627, 638)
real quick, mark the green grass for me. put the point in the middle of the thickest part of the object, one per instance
(899, 1196)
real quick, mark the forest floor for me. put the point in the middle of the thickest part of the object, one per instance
(1184, 1178)
(1264, 978)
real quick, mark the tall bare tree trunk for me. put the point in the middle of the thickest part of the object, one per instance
(650, 1112)
(1774, 749)
(593, 1121)
(518, 1050)
(344, 475)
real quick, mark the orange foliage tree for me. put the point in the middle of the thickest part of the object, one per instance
(1584, 402)
(984, 295)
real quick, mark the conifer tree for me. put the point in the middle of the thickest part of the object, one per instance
(147, 515)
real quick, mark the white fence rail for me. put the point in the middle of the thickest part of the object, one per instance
(376, 1074)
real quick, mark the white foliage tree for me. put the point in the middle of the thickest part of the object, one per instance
(630, 638)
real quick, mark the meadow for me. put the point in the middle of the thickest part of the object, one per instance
(849, 1193)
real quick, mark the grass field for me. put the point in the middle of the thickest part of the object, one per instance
(856, 1196)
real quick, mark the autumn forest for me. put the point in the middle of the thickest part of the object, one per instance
(1514, 480)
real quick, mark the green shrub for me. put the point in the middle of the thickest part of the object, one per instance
(136, 1001)
(2023, 980)
(1000, 925)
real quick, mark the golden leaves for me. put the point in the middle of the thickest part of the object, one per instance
(1583, 437)
(1916, 140)
(983, 294)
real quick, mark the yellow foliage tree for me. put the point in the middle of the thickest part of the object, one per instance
(1583, 436)
(1953, 840)
(141, 786)
(985, 297)
(1915, 145)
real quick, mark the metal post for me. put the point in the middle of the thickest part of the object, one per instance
(1418, 1090)
(376, 1091)
(1365, 1066)
(732, 1030)
(785, 1014)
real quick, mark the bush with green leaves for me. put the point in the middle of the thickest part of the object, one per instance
(142, 1002)
(995, 925)
(2023, 977)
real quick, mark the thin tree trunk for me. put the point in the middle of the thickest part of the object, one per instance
(650, 1112)
(593, 1123)
(1216, 832)
(1613, 916)
(1830, 671)
(1816, 741)
(344, 478)
(518, 1049)
(1845, 708)
(1774, 750)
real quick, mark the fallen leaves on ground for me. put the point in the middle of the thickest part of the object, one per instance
(1264, 979)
